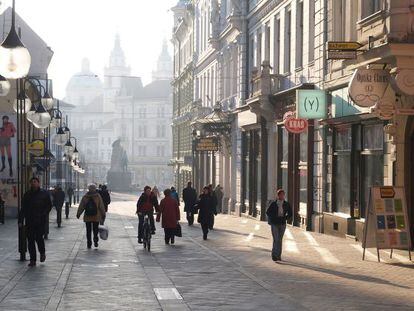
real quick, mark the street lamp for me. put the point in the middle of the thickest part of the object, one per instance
(22, 97)
(68, 148)
(15, 58)
(41, 118)
(4, 86)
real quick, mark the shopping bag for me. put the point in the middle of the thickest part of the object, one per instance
(103, 232)
(178, 231)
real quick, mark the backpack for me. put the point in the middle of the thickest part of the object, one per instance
(91, 209)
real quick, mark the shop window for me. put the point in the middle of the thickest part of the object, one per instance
(370, 7)
(285, 159)
(303, 172)
(258, 168)
(246, 166)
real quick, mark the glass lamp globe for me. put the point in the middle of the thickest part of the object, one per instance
(27, 104)
(15, 58)
(68, 148)
(41, 119)
(47, 101)
(54, 123)
(75, 154)
(31, 113)
(61, 137)
(4, 86)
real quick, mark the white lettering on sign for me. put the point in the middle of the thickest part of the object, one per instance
(296, 126)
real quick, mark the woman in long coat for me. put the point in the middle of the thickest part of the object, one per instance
(206, 208)
(170, 214)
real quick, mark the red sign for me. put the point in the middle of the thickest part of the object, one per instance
(296, 126)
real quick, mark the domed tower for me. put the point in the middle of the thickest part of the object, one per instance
(84, 87)
(164, 69)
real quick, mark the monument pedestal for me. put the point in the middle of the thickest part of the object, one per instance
(119, 181)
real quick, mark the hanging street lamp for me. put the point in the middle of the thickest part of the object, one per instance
(41, 118)
(22, 97)
(4, 86)
(15, 58)
(68, 148)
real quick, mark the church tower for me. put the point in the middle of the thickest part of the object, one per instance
(114, 74)
(164, 69)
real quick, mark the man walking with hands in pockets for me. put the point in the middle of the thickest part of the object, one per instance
(278, 213)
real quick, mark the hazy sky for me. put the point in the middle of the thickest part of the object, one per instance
(86, 28)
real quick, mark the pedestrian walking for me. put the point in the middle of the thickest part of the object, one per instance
(106, 198)
(190, 199)
(278, 213)
(214, 206)
(58, 199)
(93, 208)
(205, 210)
(70, 195)
(218, 191)
(174, 194)
(36, 206)
(156, 192)
(169, 212)
(146, 204)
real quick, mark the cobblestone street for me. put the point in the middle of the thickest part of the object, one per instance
(230, 271)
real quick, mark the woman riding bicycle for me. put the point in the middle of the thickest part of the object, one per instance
(145, 206)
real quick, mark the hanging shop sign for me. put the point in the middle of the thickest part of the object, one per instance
(296, 126)
(403, 82)
(344, 45)
(342, 54)
(386, 221)
(367, 86)
(36, 148)
(311, 104)
(206, 144)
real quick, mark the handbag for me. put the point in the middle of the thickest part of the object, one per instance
(178, 231)
(103, 232)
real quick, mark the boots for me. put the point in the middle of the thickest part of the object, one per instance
(3, 163)
(10, 166)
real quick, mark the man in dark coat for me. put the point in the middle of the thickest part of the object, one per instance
(145, 206)
(206, 211)
(190, 199)
(278, 213)
(106, 197)
(70, 195)
(36, 206)
(214, 203)
(58, 197)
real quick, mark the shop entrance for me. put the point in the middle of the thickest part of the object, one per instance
(409, 176)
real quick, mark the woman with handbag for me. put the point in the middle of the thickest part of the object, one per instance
(206, 208)
(169, 211)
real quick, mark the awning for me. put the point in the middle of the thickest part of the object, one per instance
(218, 121)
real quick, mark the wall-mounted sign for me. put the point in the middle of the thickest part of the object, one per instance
(311, 104)
(344, 46)
(342, 54)
(296, 126)
(368, 86)
(206, 144)
(36, 148)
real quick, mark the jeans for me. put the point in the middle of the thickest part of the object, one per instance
(141, 217)
(35, 236)
(92, 226)
(277, 231)
(169, 235)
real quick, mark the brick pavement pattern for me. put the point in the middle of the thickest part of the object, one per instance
(232, 270)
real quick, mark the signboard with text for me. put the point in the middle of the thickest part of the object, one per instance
(386, 220)
(296, 126)
(206, 144)
(311, 104)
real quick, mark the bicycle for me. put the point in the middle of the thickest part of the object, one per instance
(146, 234)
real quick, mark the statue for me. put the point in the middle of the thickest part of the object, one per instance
(119, 178)
(119, 158)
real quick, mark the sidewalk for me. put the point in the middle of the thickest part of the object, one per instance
(230, 271)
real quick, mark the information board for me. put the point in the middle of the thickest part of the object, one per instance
(386, 220)
(207, 144)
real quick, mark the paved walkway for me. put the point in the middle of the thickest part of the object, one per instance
(230, 271)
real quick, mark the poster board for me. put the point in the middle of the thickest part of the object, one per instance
(386, 220)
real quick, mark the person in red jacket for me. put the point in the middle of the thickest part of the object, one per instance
(170, 213)
(145, 206)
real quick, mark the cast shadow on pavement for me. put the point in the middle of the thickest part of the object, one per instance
(345, 275)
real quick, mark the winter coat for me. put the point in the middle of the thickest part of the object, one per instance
(205, 205)
(58, 198)
(36, 206)
(189, 198)
(146, 204)
(106, 198)
(174, 195)
(170, 213)
(273, 216)
(99, 204)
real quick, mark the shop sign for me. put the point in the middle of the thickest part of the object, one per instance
(36, 148)
(344, 45)
(342, 54)
(206, 144)
(367, 86)
(296, 126)
(311, 104)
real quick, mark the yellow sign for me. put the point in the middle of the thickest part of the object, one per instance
(387, 192)
(344, 46)
(36, 148)
(207, 144)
